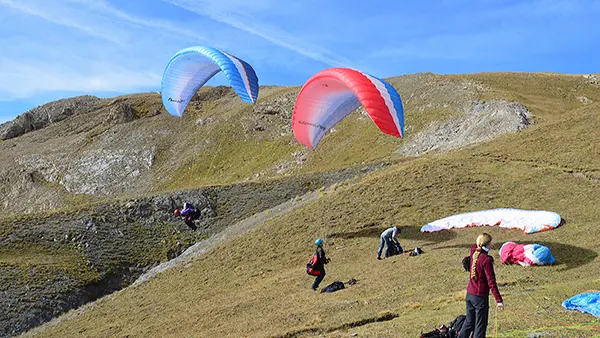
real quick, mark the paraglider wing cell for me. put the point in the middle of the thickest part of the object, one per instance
(190, 68)
(332, 94)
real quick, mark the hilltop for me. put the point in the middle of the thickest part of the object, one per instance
(473, 142)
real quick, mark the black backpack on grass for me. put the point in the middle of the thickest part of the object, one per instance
(450, 331)
(456, 326)
(395, 248)
(416, 252)
(333, 287)
(437, 333)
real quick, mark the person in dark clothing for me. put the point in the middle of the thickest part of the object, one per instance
(320, 266)
(482, 279)
(189, 214)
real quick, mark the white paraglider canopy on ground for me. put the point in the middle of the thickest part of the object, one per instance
(529, 221)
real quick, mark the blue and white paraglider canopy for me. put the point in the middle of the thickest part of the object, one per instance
(587, 302)
(190, 68)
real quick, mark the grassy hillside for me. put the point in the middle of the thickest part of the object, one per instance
(129, 145)
(255, 285)
(56, 261)
(83, 187)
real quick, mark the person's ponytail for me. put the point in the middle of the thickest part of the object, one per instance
(482, 240)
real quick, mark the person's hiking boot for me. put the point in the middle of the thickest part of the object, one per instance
(378, 257)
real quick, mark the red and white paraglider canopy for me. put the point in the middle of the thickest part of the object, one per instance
(330, 95)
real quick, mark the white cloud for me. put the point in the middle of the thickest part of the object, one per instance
(44, 50)
(25, 79)
(238, 14)
(60, 59)
(104, 7)
(65, 16)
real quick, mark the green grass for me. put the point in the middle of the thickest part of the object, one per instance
(255, 285)
(34, 265)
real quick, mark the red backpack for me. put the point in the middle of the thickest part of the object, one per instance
(310, 266)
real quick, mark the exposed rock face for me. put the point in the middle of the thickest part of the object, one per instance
(483, 121)
(42, 116)
(120, 113)
(271, 117)
(592, 79)
(584, 99)
(282, 105)
(100, 171)
(298, 159)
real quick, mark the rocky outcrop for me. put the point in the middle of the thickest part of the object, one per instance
(99, 171)
(213, 94)
(592, 79)
(271, 116)
(120, 113)
(483, 121)
(282, 105)
(40, 117)
(298, 159)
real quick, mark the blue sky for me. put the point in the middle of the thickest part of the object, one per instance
(51, 49)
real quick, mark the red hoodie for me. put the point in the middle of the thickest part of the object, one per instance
(486, 278)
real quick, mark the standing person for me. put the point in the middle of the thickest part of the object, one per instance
(482, 279)
(319, 265)
(386, 239)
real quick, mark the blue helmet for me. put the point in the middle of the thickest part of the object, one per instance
(318, 242)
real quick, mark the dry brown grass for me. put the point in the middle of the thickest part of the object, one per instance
(255, 285)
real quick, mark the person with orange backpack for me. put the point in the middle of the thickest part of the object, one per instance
(316, 265)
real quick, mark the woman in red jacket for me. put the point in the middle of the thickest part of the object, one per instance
(482, 280)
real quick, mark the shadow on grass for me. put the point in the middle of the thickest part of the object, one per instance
(406, 232)
(312, 331)
(373, 232)
(567, 256)
(570, 256)
(414, 233)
